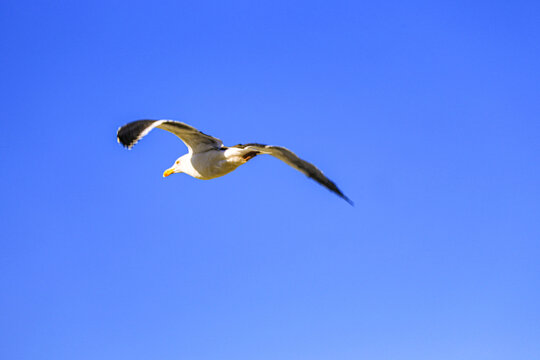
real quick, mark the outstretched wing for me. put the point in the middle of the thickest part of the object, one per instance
(293, 160)
(196, 141)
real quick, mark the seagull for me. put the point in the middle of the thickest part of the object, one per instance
(207, 158)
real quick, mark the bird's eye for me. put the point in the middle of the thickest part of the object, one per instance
(177, 162)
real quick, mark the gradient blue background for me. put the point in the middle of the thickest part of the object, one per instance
(425, 114)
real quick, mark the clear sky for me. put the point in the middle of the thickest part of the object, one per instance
(426, 114)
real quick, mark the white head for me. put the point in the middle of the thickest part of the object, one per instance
(175, 169)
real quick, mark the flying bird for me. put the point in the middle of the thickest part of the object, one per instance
(207, 158)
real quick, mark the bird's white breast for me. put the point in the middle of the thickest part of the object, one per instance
(210, 164)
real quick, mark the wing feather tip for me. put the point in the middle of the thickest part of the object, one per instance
(125, 144)
(349, 201)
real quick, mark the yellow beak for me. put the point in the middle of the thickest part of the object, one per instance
(168, 172)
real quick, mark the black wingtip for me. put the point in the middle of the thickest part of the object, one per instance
(333, 187)
(348, 200)
(129, 134)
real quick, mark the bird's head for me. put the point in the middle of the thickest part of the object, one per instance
(175, 169)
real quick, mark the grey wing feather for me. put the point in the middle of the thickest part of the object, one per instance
(303, 166)
(196, 141)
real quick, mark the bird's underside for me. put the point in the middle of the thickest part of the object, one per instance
(208, 158)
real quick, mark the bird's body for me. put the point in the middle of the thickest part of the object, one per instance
(212, 164)
(207, 158)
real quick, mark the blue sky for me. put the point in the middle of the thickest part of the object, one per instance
(425, 114)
